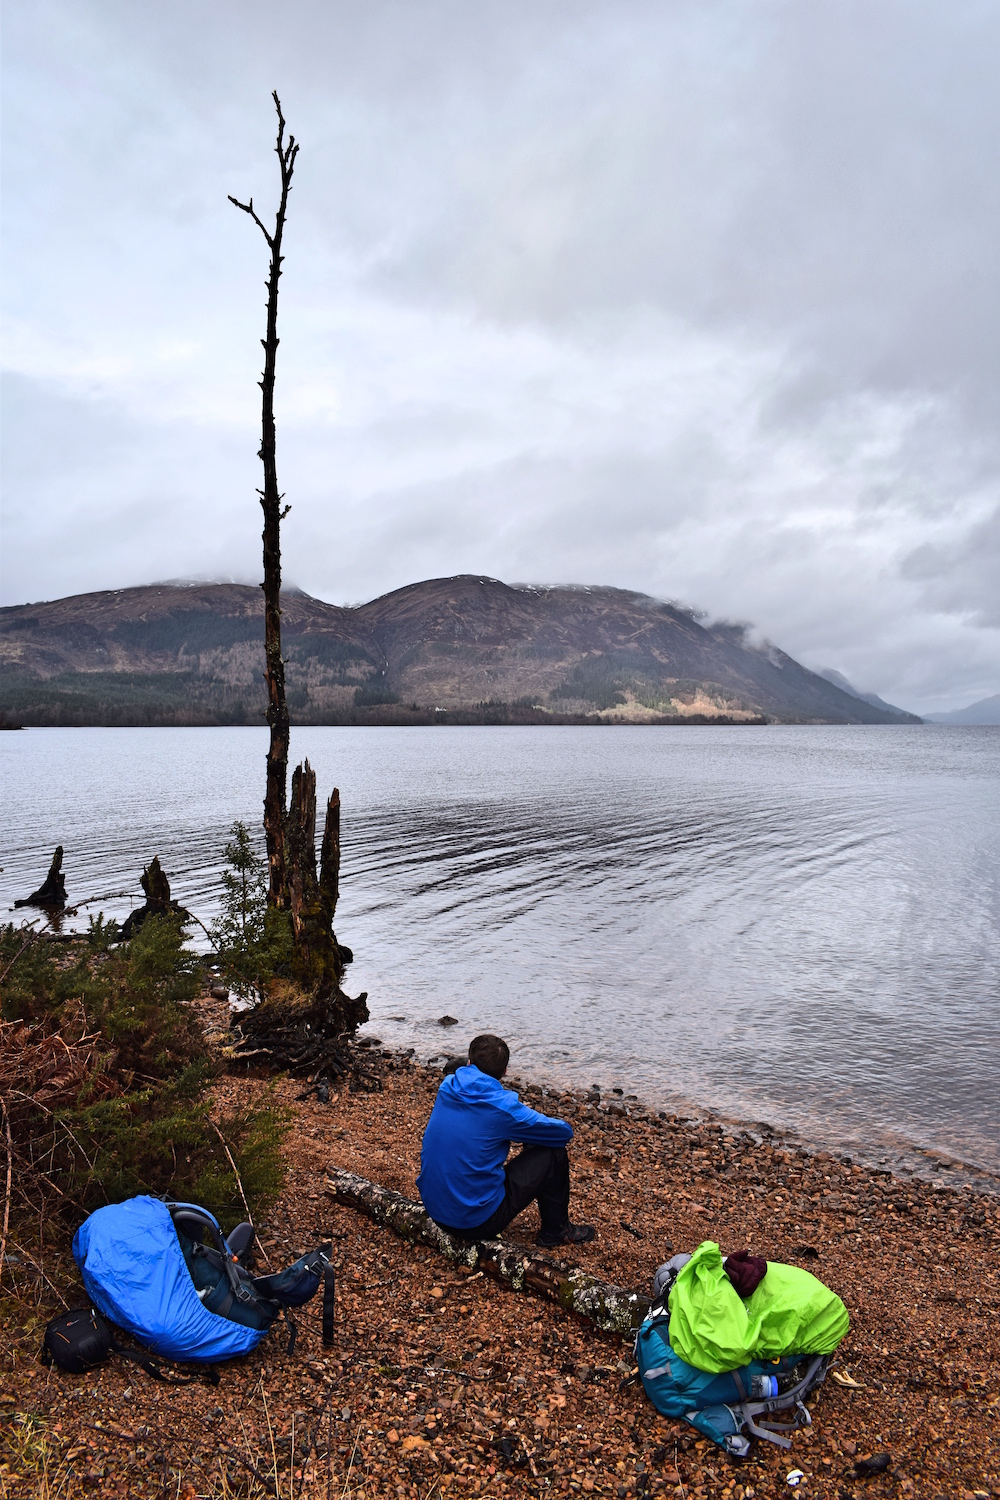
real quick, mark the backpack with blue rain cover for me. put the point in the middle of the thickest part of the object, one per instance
(146, 1268)
(729, 1405)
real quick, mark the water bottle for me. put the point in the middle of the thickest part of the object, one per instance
(764, 1387)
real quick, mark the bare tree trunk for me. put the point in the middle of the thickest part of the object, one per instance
(317, 959)
(313, 902)
(329, 859)
(291, 836)
(607, 1306)
(270, 499)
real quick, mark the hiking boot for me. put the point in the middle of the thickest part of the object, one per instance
(570, 1234)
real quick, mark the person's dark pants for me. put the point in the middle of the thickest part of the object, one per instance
(537, 1174)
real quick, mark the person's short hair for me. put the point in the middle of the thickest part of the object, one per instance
(490, 1054)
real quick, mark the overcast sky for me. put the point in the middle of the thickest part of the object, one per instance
(695, 298)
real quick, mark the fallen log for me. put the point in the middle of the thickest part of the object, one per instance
(609, 1307)
(51, 894)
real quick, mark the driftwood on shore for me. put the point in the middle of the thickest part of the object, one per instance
(609, 1307)
(51, 894)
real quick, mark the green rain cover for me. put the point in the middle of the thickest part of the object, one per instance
(715, 1330)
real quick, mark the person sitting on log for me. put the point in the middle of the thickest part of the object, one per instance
(464, 1184)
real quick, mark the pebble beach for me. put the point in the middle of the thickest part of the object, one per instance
(441, 1382)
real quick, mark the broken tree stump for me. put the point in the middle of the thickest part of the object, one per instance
(609, 1307)
(51, 894)
(304, 1034)
(312, 900)
(158, 901)
(307, 1028)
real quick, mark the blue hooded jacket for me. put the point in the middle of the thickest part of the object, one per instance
(468, 1136)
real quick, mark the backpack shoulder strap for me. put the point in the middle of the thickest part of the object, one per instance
(793, 1398)
(152, 1368)
(329, 1302)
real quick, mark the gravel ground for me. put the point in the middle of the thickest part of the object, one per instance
(442, 1383)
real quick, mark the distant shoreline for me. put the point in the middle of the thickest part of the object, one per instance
(466, 650)
(459, 720)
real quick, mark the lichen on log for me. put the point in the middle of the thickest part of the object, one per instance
(608, 1307)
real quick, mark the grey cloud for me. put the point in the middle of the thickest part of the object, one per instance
(962, 577)
(96, 499)
(697, 299)
(819, 174)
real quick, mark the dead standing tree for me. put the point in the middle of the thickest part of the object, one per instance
(270, 500)
(291, 834)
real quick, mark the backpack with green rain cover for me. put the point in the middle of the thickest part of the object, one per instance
(727, 1365)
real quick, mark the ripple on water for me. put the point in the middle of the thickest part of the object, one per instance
(795, 924)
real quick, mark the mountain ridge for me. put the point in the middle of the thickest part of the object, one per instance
(466, 648)
(984, 712)
(839, 680)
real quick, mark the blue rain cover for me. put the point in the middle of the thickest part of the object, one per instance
(135, 1274)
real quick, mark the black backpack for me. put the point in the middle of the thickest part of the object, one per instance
(79, 1340)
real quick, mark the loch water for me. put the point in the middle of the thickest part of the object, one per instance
(797, 925)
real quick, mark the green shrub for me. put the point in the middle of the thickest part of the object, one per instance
(104, 1077)
(162, 1141)
(135, 997)
(30, 974)
(254, 1137)
(253, 940)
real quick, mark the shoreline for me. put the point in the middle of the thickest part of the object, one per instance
(506, 717)
(444, 1384)
(888, 1150)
